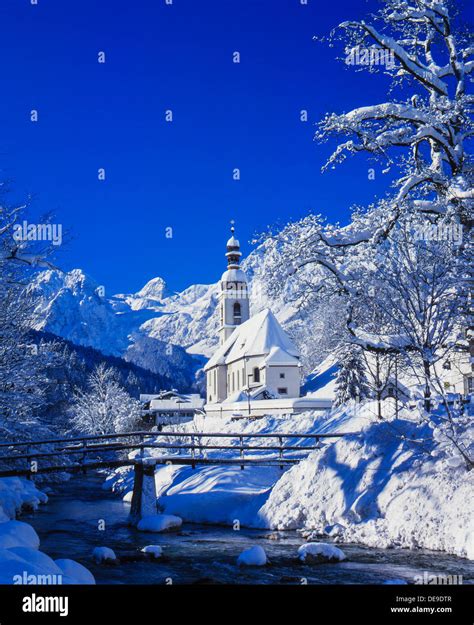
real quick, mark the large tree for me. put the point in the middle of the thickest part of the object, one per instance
(23, 364)
(423, 139)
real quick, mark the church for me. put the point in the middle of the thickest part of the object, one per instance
(256, 368)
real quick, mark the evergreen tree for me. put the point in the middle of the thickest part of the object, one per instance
(351, 381)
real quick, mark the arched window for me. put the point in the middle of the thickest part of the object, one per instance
(237, 313)
(256, 374)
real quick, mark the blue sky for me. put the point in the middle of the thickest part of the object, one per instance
(178, 174)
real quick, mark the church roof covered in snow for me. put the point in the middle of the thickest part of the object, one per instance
(260, 335)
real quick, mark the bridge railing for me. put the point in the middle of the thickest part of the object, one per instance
(180, 447)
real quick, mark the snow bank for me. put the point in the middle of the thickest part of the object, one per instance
(159, 523)
(75, 571)
(155, 550)
(18, 534)
(104, 554)
(320, 552)
(382, 489)
(254, 556)
(17, 494)
(21, 565)
(21, 562)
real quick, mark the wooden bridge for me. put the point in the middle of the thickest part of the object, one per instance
(186, 448)
(78, 454)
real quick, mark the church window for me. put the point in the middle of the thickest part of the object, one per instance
(256, 374)
(237, 313)
(233, 380)
(238, 379)
(282, 391)
(282, 376)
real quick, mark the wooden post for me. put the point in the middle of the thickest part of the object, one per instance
(280, 440)
(84, 445)
(242, 452)
(144, 491)
(193, 454)
(28, 462)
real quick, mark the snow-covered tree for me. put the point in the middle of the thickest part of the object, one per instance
(435, 60)
(368, 264)
(15, 250)
(23, 363)
(105, 407)
(351, 381)
(421, 292)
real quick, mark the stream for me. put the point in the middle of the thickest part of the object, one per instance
(68, 526)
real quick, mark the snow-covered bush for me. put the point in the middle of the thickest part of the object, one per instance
(105, 407)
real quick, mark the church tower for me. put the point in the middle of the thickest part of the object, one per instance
(233, 295)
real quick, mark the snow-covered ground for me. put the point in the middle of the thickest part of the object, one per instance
(386, 484)
(382, 489)
(21, 562)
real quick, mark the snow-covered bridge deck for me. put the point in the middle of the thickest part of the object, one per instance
(198, 448)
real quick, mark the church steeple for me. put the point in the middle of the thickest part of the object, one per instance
(233, 250)
(233, 296)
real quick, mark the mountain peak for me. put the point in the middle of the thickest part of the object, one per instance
(153, 289)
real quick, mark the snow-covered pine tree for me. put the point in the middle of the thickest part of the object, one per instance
(351, 380)
(105, 407)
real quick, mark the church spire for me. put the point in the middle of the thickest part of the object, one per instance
(233, 249)
(233, 296)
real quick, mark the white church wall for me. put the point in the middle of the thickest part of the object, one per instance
(239, 371)
(216, 387)
(290, 380)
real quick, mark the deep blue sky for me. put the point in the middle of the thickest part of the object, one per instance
(159, 174)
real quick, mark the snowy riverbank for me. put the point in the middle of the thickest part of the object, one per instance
(375, 486)
(21, 561)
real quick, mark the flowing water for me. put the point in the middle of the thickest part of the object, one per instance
(69, 527)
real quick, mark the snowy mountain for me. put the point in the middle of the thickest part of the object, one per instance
(167, 333)
(74, 307)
